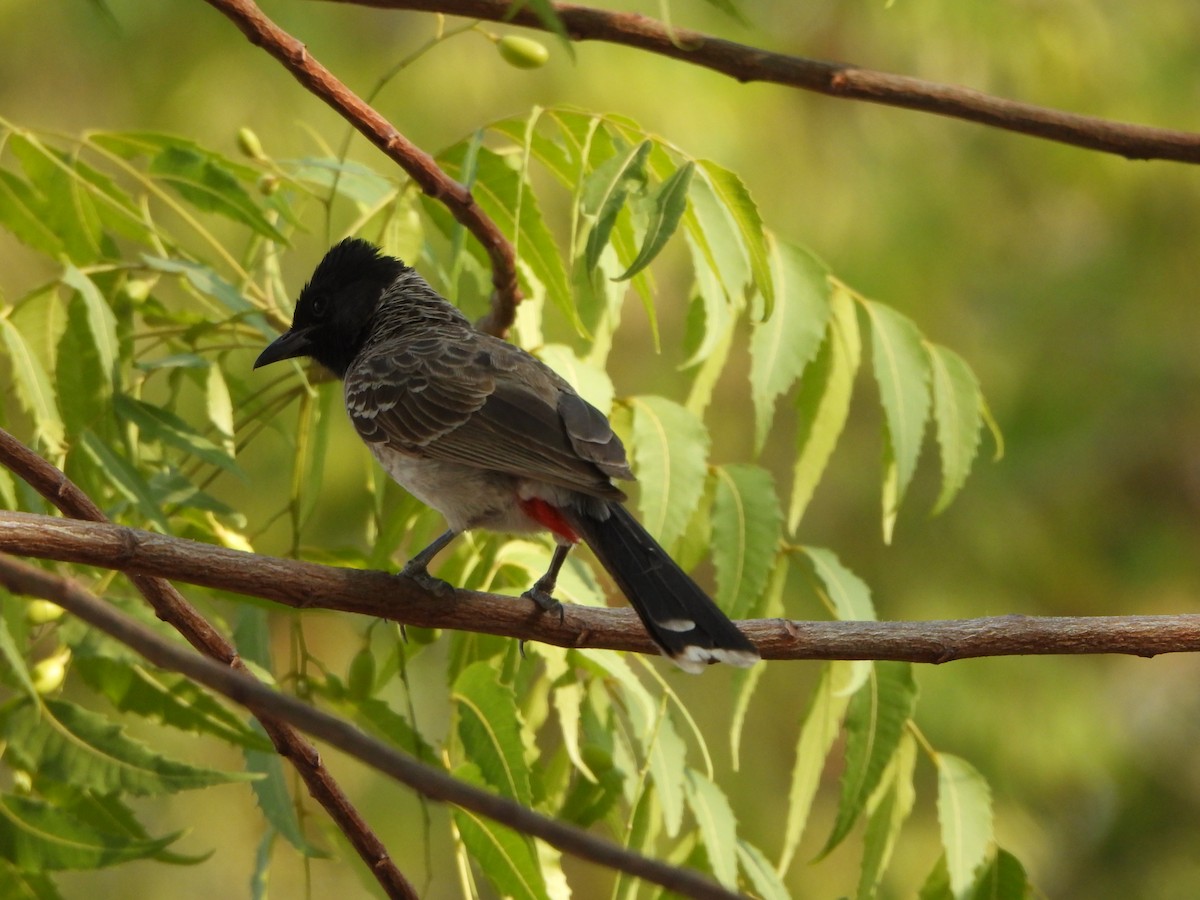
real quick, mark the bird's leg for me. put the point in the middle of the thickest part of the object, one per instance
(417, 568)
(543, 589)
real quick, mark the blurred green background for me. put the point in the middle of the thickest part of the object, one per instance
(1066, 278)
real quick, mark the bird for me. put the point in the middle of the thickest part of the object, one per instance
(492, 438)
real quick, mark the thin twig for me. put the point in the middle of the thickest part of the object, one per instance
(170, 606)
(265, 703)
(304, 585)
(419, 165)
(746, 63)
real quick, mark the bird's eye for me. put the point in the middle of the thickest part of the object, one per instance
(319, 307)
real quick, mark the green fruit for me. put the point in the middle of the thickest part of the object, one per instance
(39, 612)
(522, 52)
(49, 674)
(249, 144)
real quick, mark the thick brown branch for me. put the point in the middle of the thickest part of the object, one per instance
(170, 606)
(419, 165)
(243, 688)
(747, 63)
(311, 586)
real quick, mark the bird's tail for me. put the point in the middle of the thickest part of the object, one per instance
(680, 617)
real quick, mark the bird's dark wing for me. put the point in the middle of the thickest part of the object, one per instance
(478, 401)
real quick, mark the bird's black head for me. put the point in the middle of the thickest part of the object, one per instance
(334, 311)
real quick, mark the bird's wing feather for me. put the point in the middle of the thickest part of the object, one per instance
(481, 402)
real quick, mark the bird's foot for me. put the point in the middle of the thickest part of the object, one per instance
(417, 572)
(544, 599)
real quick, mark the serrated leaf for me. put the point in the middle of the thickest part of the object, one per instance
(605, 193)
(205, 280)
(886, 814)
(271, 794)
(823, 402)
(36, 836)
(590, 382)
(1004, 878)
(506, 857)
(123, 476)
(670, 456)
(766, 881)
(849, 594)
(902, 372)
(820, 729)
(711, 317)
(18, 885)
(83, 388)
(664, 207)
(718, 828)
(75, 223)
(353, 180)
(958, 411)
(22, 212)
(14, 661)
(100, 319)
(965, 816)
(745, 681)
(67, 743)
(219, 406)
(158, 424)
(495, 187)
(732, 193)
(875, 720)
(163, 697)
(489, 726)
(782, 346)
(33, 387)
(746, 522)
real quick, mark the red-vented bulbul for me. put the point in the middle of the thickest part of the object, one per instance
(491, 437)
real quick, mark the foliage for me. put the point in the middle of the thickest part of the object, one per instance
(129, 371)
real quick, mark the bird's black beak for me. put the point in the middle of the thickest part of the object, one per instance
(292, 343)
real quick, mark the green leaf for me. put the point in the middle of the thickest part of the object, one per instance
(547, 14)
(271, 793)
(958, 411)
(820, 729)
(219, 406)
(590, 382)
(64, 210)
(670, 456)
(732, 193)
(875, 721)
(23, 213)
(100, 319)
(746, 522)
(605, 193)
(745, 681)
(67, 743)
(83, 386)
(766, 881)
(665, 206)
(210, 284)
(33, 387)
(823, 402)
(965, 815)
(35, 836)
(711, 317)
(18, 885)
(886, 814)
(489, 726)
(354, 181)
(123, 476)
(496, 187)
(849, 594)
(902, 372)
(158, 424)
(14, 661)
(1004, 878)
(506, 857)
(210, 183)
(713, 232)
(718, 828)
(782, 346)
(164, 697)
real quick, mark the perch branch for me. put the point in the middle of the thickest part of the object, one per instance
(268, 705)
(303, 585)
(170, 606)
(746, 63)
(419, 165)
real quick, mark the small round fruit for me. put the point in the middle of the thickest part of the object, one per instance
(522, 52)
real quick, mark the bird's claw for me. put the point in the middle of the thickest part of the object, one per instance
(546, 601)
(419, 574)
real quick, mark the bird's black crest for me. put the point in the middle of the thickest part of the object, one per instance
(340, 299)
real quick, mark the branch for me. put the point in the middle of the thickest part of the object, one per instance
(303, 585)
(841, 80)
(419, 165)
(243, 688)
(170, 606)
